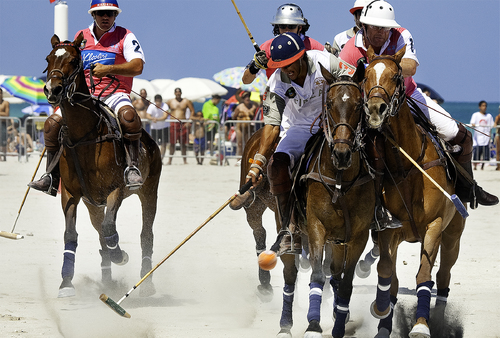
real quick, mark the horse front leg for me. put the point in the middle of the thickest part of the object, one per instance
(69, 205)
(254, 219)
(429, 250)
(109, 232)
(387, 286)
(290, 278)
(96, 218)
(316, 244)
(149, 198)
(363, 268)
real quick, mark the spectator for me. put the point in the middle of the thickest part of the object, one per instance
(4, 112)
(157, 113)
(482, 123)
(211, 113)
(497, 138)
(245, 111)
(199, 136)
(179, 131)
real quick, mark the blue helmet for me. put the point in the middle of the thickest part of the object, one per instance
(98, 5)
(285, 50)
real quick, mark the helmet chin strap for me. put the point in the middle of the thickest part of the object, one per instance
(104, 30)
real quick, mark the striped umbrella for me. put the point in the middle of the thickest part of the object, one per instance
(231, 77)
(27, 88)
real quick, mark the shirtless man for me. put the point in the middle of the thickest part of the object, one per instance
(179, 132)
(141, 104)
(245, 111)
(4, 112)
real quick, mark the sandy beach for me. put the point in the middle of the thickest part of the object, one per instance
(208, 288)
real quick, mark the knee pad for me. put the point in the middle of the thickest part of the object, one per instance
(278, 173)
(130, 122)
(51, 129)
(464, 140)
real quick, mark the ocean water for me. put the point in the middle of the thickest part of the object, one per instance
(461, 111)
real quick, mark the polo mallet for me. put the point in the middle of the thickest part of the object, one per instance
(11, 234)
(115, 306)
(255, 45)
(454, 198)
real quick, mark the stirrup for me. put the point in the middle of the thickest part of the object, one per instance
(50, 190)
(287, 244)
(132, 185)
(385, 221)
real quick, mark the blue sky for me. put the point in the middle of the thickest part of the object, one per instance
(457, 41)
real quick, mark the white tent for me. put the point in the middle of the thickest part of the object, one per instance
(193, 88)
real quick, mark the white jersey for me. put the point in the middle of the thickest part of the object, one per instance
(341, 39)
(304, 102)
(483, 123)
(157, 113)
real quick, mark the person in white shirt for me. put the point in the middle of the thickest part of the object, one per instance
(482, 124)
(157, 114)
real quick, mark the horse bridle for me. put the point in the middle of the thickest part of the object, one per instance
(330, 126)
(68, 83)
(393, 102)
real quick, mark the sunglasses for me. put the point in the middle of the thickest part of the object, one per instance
(287, 26)
(108, 13)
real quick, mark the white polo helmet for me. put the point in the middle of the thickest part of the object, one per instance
(288, 14)
(358, 5)
(379, 13)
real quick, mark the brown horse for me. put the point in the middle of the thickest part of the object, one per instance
(428, 216)
(92, 163)
(340, 199)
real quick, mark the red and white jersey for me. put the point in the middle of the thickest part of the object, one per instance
(117, 46)
(354, 50)
(309, 43)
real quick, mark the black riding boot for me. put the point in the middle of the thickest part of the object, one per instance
(466, 188)
(291, 242)
(132, 174)
(471, 192)
(49, 182)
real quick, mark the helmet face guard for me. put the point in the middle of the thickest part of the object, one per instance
(104, 5)
(285, 50)
(379, 13)
(288, 14)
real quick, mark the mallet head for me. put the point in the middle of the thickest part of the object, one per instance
(114, 306)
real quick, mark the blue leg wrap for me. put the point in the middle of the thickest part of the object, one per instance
(68, 268)
(383, 293)
(341, 309)
(315, 293)
(424, 299)
(335, 286)
(286, 320)
(112, 241)
(387, 322)
(370, 258)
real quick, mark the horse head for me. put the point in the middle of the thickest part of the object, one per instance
(64, 64)
(342, 117)
(384, 87)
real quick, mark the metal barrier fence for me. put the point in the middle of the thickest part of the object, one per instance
(207, 140)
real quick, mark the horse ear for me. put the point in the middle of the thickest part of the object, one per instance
(54, 40)
(370, 54)
(327, 75)
(78, 41)
(399, 55)
(359, 75)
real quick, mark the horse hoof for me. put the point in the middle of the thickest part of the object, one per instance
(265, 292)
(363, 269)
(284, 333)
(147, 288)
(383, 333)
(313, 334)
(304, 262)
(377, 314)
(420, 331)
(313, 330)
(66, 292)
(124, 259)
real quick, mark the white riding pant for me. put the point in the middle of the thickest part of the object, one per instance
(293, 141)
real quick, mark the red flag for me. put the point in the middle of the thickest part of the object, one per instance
(51, 1)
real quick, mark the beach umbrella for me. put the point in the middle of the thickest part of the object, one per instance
(231, 77)
(160, 85)
(27, 88)
(37, 109)
(193, 88)
(139, 84)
